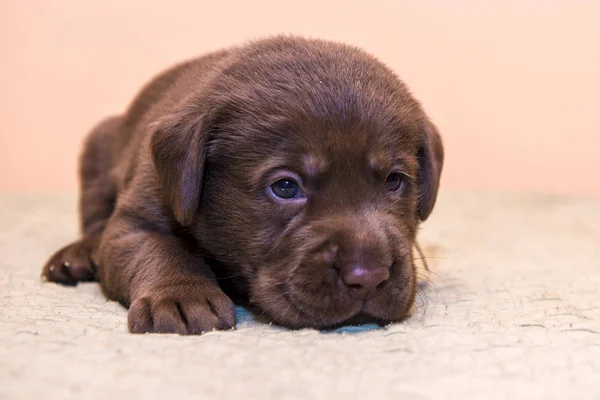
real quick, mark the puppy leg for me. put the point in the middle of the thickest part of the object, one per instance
(162, 279)
(74, 262)
(98, 184)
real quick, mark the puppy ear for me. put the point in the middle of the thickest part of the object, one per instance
(431, 161)
(178, 147)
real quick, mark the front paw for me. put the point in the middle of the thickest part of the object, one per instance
(72, 263)
(186, 308)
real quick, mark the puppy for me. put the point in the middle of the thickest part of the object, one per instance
(288, 174)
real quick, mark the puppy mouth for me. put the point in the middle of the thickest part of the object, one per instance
(322, 302)
(311, 317)
(360, 318)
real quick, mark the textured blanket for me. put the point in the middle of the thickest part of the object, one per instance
(510, 310)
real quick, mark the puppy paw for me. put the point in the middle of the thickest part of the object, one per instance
(72, 263)
(186, 309)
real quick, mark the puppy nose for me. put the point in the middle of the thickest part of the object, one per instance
(364, 281)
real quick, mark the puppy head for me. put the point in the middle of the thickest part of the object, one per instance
(318, 167)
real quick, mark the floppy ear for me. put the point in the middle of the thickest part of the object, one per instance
(178, 147)
(431, 161)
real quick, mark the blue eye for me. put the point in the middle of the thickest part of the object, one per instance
(395, 182)
(286, 189)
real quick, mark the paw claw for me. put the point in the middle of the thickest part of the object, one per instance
(77, 268)
(181, 309)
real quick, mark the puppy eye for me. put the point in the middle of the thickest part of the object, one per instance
(395, 182)
(286, 189)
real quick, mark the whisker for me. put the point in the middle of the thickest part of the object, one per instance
(222, 277)
(427, 279)
(423, 304)
(423, 293)
(439, 277)
(418, 247)
(428, 301)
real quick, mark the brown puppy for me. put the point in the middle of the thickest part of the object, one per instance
(291, 174)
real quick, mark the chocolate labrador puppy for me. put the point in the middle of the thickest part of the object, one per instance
(289, 174)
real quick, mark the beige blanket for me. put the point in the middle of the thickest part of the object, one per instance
(512, 311)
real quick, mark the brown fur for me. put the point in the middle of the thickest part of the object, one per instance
(175, 203)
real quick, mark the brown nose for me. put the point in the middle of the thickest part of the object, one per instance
(363, 281)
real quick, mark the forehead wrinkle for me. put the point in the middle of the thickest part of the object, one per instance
(379, 160)
(383, 161)
(260, 173)
(306, 164)
(314, 165)
(313, 148)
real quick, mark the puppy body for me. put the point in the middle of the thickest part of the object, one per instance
(186, 195)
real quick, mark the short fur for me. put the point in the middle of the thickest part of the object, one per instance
(175, 203)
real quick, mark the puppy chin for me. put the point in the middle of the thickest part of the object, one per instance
(277, 301)
(394, 306)
(287, 312)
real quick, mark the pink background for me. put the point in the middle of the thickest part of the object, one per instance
(513, 85)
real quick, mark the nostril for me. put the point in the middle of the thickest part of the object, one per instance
(354, 286)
